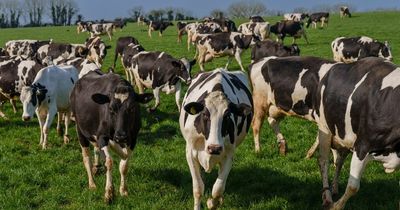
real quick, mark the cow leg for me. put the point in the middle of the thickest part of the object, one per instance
(314, 147)
(189, 38)
(339, 161)
(156, 93)
(149, 32)
(305, 36)
(357, 167)
(14, 105)
(197, 182)
(88, 165)
(109, 194)
(123, 170)
(260, 106)
(66, 122)
(139, 85)
(178, 95)
(159, 33)
(228, 62)
(96, 167)
(201, 58)
(41, 118)
(60, 131)
(220, 183)
(46, 127)
(109, 33)
(274, 119)
(238, 59)
(324, 150)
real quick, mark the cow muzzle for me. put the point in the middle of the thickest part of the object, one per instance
(214, 149)
(26, 118)
(120, 137)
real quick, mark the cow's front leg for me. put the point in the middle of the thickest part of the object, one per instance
(197, 182)
(178, 95)
(273, 120)
(324, 151)
(88, 166)
(41, 118)
(46, 127)
(219, 185)
(238, 59)
(123, 170)
(97, 165)
(149, 32)
(66, 122)
(357, 167)
(109, 190)
(156, 93)
(312, 149)
(14, 105)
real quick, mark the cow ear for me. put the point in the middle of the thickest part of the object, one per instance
(100, 98)
(192, 62)
(241, 109)
(193, 108)
(143, 98)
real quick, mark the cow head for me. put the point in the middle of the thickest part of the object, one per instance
(384, 51)
(97, 50)
(31, 98)
(215, 120)
(294, 50)
(122, 108)
(185, 68)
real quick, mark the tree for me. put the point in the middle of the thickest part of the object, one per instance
(170, 14)
(136, 12)
(34, 10)
(62, 11)
(246, 9)
(217, 13)
(11, 13)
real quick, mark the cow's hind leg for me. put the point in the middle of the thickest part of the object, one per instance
(324, 151)
(60, 130)
(67, 119)
(14, 105)
(219, 185)
(260, 106)
(238, 59)
(274, 117)
(339, 161)
(156, 93)
(357, 167)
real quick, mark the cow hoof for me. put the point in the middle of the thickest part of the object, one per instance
(282, 147)
(92, 186)
(96, 170)
(123, 191)
(214, 203)
(109, 195)
(66, 139)
(326, 199)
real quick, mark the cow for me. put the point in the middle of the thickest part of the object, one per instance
(60, 51)
(98, 29)
(126, 58)
(288, 27)
(258, 29)
(356, 109)
(222, 44)
(225, 24)
(3, 52)
(107, 115)
(141, 21)
(25, 49)
(314, 18)
(47, 95)
(181, 27)
(160, 71)
(97, 50)
(119, 23)
(271, 48)
(158, 26)
(82, 65)
(284, 86)
(82, 26)
(122, 42)
(351, 49)
(215, 117)
(15, 74)
(256, 18)
(197, 30)
(298, 17)
(344, 11)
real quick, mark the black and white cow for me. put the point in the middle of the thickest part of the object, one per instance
(49, 94)
(97, 50)
(98, 29)
(259, 29)
(82, 26)
(107, 115)
(256, 18)
(25, 49)
(344, 11)
(142, 21)
(126, 58)
(60, 51)
(271, 48)
(3, 52)
(215, 117)
(284, 86)
(82, 65)
(197, 30)
(222, 44)
(159, 26)
(225, 24)
(15, 74)
(160, 71)
(298, 17)
(314, 18)
(288, 27)
(351, 49)
(357, 109)
(123, 42)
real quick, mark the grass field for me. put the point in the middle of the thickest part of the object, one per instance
(158, 176)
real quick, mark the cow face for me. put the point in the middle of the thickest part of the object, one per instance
(185, 67)
(215, 120)
(385, 52)
(122, 108)
(31, 98)
(97, 50)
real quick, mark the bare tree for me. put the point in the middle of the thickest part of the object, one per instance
(217, 13)
(34, 10)
(62, 11)
(246, 9)
(136, 12)
(11, 13)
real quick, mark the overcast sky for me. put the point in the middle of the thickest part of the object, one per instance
(110, 9)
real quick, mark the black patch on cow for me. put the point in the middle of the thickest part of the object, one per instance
(220, 41)
(198, 81)
(229, 83)
(202, 123)
(218, 87)
(72, 80)
(38, 92)
(24, 70)
(240, 86)
(185, 118)
(228, 127)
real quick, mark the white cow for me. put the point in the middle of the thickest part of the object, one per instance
(49, 94)
(216, 115)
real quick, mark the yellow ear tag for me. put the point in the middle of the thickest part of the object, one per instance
(192, 110)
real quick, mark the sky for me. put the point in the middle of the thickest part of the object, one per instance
(110, 9)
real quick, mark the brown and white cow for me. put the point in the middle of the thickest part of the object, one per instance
(351, 49)
(215, 117)
(356, 109)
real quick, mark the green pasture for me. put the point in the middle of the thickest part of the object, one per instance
(158, 176)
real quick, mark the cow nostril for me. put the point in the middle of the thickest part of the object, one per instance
(214, 149)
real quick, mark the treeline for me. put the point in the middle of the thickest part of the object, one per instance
(169, 14)
(34, 12)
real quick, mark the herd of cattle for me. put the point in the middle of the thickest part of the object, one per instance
(352, 98)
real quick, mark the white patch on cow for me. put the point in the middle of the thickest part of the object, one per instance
(5, 62)
(390, 162)
(321, 119)
(324, 69)
(22, 78)
(121, 96)
(161, 55)
(299, 92)
(350, 136)
(365, 39)
(392, 79)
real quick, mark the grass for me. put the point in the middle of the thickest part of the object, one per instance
(158, 176)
